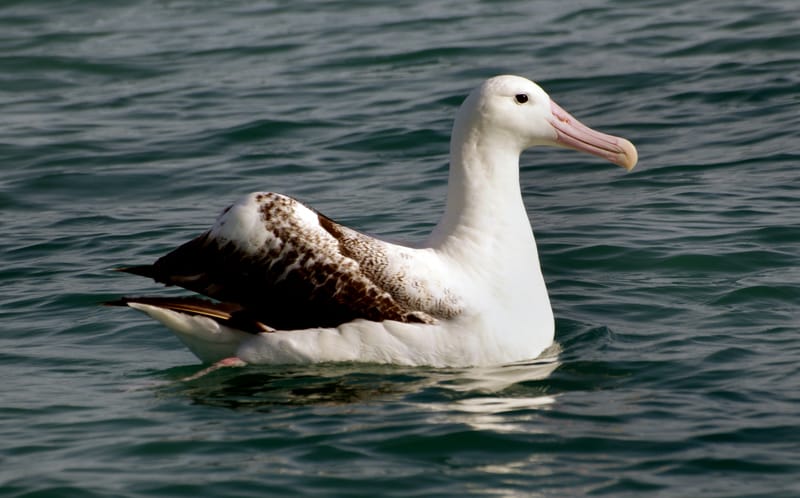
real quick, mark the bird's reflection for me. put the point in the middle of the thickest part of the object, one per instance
(472, 390)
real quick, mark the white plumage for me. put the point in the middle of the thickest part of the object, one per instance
(292, 286)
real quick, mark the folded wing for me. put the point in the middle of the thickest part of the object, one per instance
(285, 266)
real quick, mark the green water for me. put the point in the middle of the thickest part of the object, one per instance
(125, 127)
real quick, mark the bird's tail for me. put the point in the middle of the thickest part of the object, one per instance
(211, 330)
(228, 314)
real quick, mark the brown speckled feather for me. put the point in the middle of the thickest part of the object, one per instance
(292, 268)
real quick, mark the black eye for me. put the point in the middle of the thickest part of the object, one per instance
(521, 98)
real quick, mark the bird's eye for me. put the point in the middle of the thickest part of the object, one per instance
(521, 98)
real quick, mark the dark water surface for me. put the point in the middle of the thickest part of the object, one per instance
(125, 127)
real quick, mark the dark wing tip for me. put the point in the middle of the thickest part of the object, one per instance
(141, 270)
(115, 302)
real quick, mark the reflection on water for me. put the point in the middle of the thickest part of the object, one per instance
(523, 394)
(495, 379)
(260, 386)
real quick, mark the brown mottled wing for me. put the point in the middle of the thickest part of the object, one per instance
(290, 269)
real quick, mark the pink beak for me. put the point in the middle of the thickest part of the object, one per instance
(573, 134)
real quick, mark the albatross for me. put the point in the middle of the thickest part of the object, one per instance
(284, 284)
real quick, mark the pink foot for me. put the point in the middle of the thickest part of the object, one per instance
(233, 361)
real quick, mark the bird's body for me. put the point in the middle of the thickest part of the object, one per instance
(292, 286)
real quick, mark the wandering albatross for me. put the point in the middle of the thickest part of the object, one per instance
(291, 286)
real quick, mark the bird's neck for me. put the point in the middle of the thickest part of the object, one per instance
(484, 211)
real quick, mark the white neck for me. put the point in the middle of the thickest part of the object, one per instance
(484, 211)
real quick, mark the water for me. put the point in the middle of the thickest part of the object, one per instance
(127, 126)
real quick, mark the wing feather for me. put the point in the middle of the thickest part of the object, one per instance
(229, 314)
(289, 267)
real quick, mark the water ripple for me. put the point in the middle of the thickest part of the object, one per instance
(128, 126)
